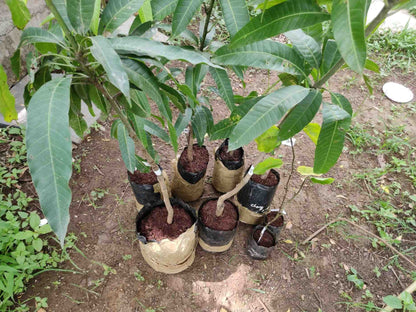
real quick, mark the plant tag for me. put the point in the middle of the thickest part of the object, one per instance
(251, 170)
(158, 172)
(43, 222)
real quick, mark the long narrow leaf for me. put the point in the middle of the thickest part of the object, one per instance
(117, 12)
(20, 12)
(140, 46)
(300, 116)
(199, 125)
(162, 8)
(331, 137)
(184, 11)
(348, 22)
(306, 46)
(330, 57)
(35, 35)
(235, 15)
(264, 54)
(7, 101)
(224, 86)
(49, 151)
(109, 59)
(127, 147)
(278, 19)
(80, 13)
(60, 6)
(265, 113)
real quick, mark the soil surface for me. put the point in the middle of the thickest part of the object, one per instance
(155, 227)
(269, 180)
(199, 162)
(111, 275)
(226, 222)
(278, 222)
(266, 240)
(235, 155)
(143, 178)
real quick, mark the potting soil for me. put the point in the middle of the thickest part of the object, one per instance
(270, 180)
(226, 222)
(266, 241)
(138, 177)
(278, 222)
(199, 162)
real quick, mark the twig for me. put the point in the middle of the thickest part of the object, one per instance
(365, 231)
(205, 32)
(98, 169)
(397, 277)
(263, 305)
(409, 290)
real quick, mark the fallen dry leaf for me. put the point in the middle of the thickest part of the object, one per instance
(289, 225)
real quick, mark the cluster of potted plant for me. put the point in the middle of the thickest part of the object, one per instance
(122, 76)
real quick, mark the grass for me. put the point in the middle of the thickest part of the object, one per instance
(394, 50)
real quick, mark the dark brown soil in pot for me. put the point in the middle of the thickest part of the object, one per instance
(155, 227)
(138, 177)
(278, 222)
(226, 222)
(200, 161)
(234, 155)
(270, 179)
(266, 241)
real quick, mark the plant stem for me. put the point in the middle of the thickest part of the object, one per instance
(190, 150)
(207, 18)
(239, 186)
(368, 31)
(292, 170)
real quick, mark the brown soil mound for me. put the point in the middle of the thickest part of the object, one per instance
(278, 222)
(270, 180)
(155, 227)
(266, 241)
(143, 178)
(226, 222)
(200, 161)
(234, 155)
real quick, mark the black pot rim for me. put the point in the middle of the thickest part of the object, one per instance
(147, 208)
(230, 164)
(219, 231)
(265, 187)
(191, 177)
(260, 227)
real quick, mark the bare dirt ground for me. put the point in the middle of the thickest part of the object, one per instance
(297, 277)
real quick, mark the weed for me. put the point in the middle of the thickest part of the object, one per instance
(138, 275)
(126, 257)
(353, 277)
(94, 196)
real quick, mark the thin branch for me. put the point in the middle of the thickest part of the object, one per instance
(205, 32)
(292, 170)
(365, 231)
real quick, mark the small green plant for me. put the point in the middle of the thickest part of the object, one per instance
(404, 302)
(138, 275)
(95, 196)
(41, 302)
(126, 257)
(354, 278)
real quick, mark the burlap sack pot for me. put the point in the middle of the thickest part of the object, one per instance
(214, 240)
(187, 186)
(227, 174)
(254, 200)
(169, 256)
(148, 193)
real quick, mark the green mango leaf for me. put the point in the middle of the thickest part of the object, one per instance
(371, 65)
(139, 46)
(98, 99)
(306, 46)
(268, 141)
(300, 115)
(330, 57)
(140, 104)
(322, 181)
(116, 12)
(184, 11)
(162, 8)
(15, 63)
(173, 137)
(155, 130)
(138, 126)
(312, 130)
(49, 151)
(342, 102)
(60, 6)
(368, 84)
(80, 14)
(127, 148)
(307, 171)
(267, 4)
(7, 100)
(176, 98)
(199, 125)
(393, 302)
(267, 164)
(42, 76)
(145, 12)
(336, 121)
(183, 121)
(235, 15)
(265, 113)
(95, 20)
(209, 119)
(35, 35)
(264, 54)
(20, 13)
(222, 129)
(278, 19)
(105, 55)
(288, 79)
(405, 4)
(224, 86)
(348, 23)
(77, 123)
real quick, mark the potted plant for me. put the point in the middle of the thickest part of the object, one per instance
(117, 73)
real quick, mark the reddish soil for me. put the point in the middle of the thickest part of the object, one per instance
(278, 222)
(138, 177)
(226, 222)
(234, 155)
(200, 161)
(155, 227)
(269, 180)
(266, 240)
